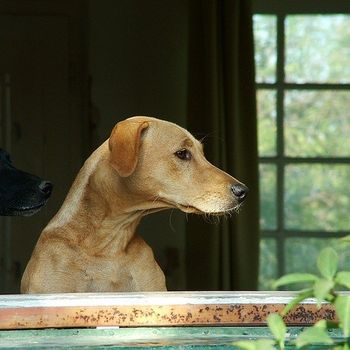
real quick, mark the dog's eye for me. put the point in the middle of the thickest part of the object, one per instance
(184, 154)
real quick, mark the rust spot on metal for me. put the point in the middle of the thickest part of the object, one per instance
(216, 318)
(158, 315)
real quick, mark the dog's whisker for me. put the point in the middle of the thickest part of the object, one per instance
(237, 208)
(211, 134)
(170, 221)
(155, 199)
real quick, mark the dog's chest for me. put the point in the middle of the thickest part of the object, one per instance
(106, 276)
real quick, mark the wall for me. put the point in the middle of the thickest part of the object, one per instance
(137, 63)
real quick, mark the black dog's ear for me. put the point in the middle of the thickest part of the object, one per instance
(124, 144)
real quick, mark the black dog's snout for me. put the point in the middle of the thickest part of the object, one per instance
(240, 191)
(46, 187)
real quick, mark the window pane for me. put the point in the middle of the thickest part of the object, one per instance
(317, 123)
(317, 197)
(265, 48)
(301, 253)
(268, 263)
(266, 100)
(267, 196)
(318, 48)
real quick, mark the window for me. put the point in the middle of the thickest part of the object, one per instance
(302, 57)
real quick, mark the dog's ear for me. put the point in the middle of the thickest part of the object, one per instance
(124, 144)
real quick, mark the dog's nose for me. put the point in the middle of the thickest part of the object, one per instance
(240, 191)
(46, 187)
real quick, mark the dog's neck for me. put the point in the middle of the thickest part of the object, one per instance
(106, 215)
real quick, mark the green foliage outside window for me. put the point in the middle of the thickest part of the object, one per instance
(321, 286)
(315, 131)
(317, 48)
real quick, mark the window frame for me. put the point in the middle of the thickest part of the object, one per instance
(281, 9)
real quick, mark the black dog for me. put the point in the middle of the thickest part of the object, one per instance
(21, 194)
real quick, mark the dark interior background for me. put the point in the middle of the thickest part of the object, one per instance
(76, 68)
(70, 70)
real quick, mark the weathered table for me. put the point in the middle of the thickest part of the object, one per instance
(172, 320)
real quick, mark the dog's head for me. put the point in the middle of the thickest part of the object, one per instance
(21, 194)
(166, 164)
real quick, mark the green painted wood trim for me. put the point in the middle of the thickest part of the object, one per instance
(140, 338)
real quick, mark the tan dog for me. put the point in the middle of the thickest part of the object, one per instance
(147, 165)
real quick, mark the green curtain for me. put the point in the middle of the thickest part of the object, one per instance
(222, 107)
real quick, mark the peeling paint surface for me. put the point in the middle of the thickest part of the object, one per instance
(180, 309)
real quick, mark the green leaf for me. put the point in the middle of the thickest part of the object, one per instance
(313, 335)
(277, 328)
(261, 344)
(339, 347)
(245, 344)
(343, 278)
(295, 278)
(327, 262)
(321, 324)
(342, 307)
(322, 288)
(304, 294)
